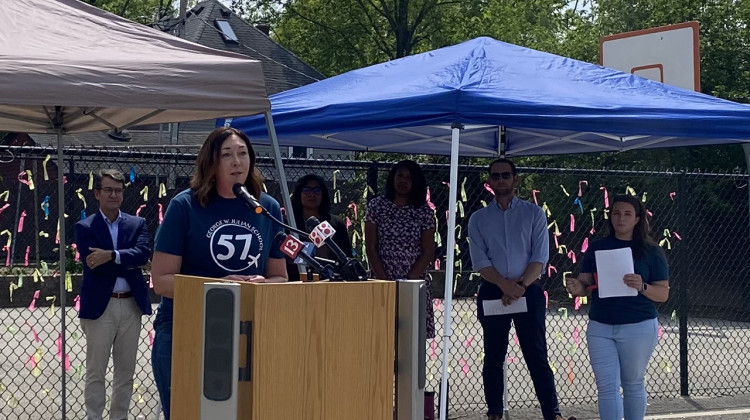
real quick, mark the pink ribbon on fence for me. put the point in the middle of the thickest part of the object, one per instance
(33, 332)
(32, 305)
(21, 218)
(354, 208)
(427, 199)
(550, 269)
(606, 197)
(533, 194)
(580, 190)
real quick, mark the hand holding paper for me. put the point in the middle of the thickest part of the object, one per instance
(497, 307)
(612, 265)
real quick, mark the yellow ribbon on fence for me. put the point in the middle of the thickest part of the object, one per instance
(44, 167)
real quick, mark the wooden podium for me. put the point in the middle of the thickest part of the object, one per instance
(320, 351)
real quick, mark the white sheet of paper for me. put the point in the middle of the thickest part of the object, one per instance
(496, 307)
(611, 267)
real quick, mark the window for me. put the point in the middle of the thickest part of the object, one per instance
(226, 31)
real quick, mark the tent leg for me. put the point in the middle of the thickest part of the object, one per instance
(287, 199)
(280, 167)
(61, 221)
(450, 256)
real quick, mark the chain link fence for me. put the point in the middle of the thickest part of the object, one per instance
(701, 221)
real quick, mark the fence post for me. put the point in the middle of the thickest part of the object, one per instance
(372, 181)
(683, 292)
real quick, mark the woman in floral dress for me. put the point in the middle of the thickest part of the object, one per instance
(400, 230)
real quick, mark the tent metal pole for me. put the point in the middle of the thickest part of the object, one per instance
(61, 222)
(450, 256)
(287, 199)
(280, 167)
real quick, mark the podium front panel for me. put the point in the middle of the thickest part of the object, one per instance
(320, 350)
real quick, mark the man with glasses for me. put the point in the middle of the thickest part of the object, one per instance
(114, 295)
(509, 247)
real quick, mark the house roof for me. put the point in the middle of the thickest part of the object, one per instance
(281, 68)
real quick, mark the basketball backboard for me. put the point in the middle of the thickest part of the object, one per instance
(667, 54)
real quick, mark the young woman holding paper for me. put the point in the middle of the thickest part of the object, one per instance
(623, 331)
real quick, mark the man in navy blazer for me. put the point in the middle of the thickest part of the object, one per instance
(114, 294)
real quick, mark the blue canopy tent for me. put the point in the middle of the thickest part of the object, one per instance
(501, 100)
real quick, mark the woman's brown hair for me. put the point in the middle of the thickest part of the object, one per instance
(203, 183)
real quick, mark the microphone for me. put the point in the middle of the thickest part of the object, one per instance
(293, 248)
(240, 191)
(322, 233)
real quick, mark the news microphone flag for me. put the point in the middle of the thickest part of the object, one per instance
(321, 232)
(291, 247)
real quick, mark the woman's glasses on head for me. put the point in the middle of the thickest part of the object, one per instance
(497, 176)
(312, 190)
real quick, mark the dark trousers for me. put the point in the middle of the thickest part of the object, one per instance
(530, 328)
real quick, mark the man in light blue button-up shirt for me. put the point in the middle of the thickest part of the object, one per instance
(509, 246)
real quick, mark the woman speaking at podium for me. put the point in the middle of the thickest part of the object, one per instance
(209, 232)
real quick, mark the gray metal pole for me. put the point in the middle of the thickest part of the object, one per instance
(280, 167)
(450, 256)
(61, 221)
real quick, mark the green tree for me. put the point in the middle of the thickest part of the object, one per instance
(141, 11)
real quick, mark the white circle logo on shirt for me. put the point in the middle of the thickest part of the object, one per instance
(235, 245)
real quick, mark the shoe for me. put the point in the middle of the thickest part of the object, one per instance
(494, 417)
(565, 418)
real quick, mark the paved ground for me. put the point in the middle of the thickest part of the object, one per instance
(719, 354)
(724, 408)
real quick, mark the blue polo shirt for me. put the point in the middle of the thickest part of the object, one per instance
(628, 309)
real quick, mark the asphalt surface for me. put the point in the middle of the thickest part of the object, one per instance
(724, 408)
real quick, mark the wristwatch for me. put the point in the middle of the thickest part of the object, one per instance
(114, 256)
(645, 287)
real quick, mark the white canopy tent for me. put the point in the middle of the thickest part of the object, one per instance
(68, 67)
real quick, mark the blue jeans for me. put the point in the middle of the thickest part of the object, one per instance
(619, 356)
(161, 363)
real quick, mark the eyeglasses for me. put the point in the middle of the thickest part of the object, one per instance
(497, 176)
(111, 191)
(312, 190)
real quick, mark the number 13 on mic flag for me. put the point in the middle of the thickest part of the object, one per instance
(321, 232)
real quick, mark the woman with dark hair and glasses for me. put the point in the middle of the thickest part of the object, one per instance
(209, 232)
(311, 198)
(623, 331)
(400, 230)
